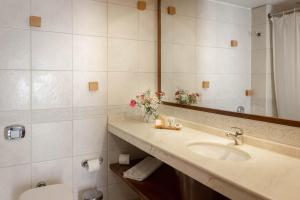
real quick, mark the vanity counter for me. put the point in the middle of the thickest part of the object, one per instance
(266, 175)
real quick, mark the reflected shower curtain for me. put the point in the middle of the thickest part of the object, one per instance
(286, 63)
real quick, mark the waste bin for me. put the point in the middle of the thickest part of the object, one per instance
(92, 194)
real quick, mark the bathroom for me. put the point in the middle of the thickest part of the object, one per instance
(204, 91)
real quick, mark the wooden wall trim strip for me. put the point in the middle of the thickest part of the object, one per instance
(159, 45)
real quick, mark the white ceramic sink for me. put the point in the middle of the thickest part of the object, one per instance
(218, 151)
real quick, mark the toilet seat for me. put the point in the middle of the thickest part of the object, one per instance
(51, 192)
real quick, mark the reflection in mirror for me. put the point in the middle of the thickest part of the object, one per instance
(232, 57)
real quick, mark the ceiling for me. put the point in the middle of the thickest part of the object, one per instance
(257, 3)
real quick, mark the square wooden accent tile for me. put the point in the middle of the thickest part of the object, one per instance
(205, 84)
(35, 21)
(93, 86)
(234, 43)
(171, 10)
(142, 5)
(249, 93)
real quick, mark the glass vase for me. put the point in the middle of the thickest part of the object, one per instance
(148, 117)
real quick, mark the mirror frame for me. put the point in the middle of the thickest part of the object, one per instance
(211, 110)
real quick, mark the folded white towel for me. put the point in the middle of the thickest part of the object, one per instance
(143, 169)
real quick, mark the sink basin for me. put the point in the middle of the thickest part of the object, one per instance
(218, 151)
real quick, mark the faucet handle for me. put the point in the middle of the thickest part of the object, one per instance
(236, 134)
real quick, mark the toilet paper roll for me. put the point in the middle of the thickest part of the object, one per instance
(93, 165)
(124, 159)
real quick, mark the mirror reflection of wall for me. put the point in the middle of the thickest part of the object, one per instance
(223, 52)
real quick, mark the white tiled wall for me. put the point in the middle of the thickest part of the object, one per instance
(196, 47)
(262, 102)
(44, 74)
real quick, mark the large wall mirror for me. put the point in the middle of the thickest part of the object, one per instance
(232, 56)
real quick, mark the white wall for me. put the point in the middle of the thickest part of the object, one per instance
(262, 101)
(44, 75)
(196, 48)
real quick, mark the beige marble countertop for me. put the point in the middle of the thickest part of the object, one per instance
(267, 175)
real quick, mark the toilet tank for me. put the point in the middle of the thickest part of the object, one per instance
(50, 192)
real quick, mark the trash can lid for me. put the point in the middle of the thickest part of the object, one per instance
(92, 194)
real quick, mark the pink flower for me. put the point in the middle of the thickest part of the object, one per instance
(132, 103)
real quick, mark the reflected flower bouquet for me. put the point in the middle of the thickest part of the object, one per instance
(148, 104)
(185, 97)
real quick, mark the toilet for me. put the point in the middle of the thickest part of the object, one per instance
(50, 192)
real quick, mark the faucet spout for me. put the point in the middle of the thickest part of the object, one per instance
(236, 134)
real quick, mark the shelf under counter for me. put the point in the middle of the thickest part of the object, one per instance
(166, 183)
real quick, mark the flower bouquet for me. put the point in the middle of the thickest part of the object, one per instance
(185, 97)
(148, 104)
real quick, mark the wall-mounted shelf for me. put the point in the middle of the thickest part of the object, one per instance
(164, 184)
(161, 185)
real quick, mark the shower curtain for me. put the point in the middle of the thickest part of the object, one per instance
(286, 65)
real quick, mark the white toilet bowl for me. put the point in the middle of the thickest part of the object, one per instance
(50, 192)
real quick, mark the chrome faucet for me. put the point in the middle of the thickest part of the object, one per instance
(236, 134)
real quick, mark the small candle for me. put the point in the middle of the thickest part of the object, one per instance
(158, 122)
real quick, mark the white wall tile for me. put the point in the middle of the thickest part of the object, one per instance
(81, 94)
(85, 180)
(14, 181)
(14, 52)
(16, 90)
(117, 81)
(259, 15)
(207, 9)
(147, 56)
(184, 58)
(89, 112)
(51, 141)
(51, 51)
(90, 135)
(15, 116)
(167, 27)
(184, 29)
(148, 25)
(90, 53)
(206, 32)
(147, 81)
(18, 151)
(122, 55)
(56, 14)
(14, 13)
(186, 7)
(205, 60)
(51, 115)
(90, 17)
(259, 61)
(53, 172)
(122, 21)
(51, 89)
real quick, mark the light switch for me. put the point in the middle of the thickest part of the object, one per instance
(93, 86)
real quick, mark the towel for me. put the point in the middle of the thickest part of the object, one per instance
(143, 169)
